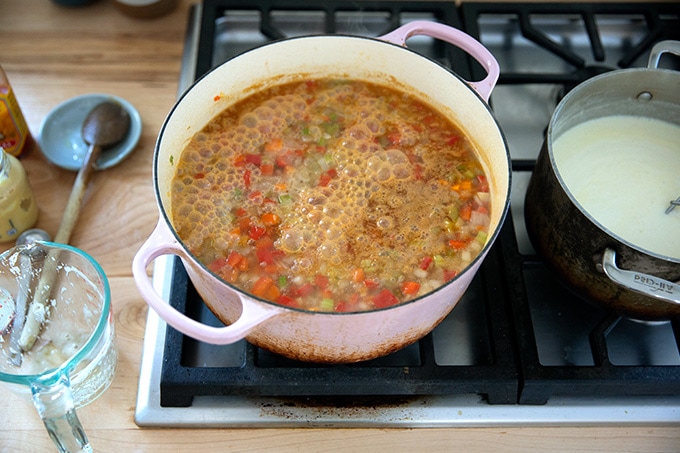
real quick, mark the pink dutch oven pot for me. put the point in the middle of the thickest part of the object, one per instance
(319, 336)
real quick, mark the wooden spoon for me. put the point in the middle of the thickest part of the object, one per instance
(107, 124)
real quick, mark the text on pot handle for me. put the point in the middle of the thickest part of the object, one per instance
(645, 284)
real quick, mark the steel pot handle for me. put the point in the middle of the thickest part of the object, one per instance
(645, 284)
(661, 48)
(458, 39)
(162, 242)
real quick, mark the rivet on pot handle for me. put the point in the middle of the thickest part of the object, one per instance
(458, 39)
(647, 285)
(661, 48)
(162, 242)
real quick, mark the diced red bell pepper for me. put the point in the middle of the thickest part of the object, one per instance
(321, 281)
(287, 301)
(255, 159)
(425, 262)
(256, 232)
(384, 299)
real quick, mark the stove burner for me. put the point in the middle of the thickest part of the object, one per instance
(520, 340)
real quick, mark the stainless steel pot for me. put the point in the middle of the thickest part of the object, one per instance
(589, 257)
(316, 336)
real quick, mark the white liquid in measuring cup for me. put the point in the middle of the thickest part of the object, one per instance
(624, 171)
(72, 314)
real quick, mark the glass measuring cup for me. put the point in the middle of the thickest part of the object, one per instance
(58, 350)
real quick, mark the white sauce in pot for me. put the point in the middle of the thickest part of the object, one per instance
(624, 171)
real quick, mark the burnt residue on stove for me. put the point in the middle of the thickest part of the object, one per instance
(345, 407)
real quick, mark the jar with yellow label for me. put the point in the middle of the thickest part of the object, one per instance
(18, 209)
(14, 134)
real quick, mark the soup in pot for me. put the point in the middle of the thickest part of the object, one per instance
(332, 195)
(624, 171)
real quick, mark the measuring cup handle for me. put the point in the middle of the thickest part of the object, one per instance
(162, 242)
(459, 39)
(645, 284)
(56, 408)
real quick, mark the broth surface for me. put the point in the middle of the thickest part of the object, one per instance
(624, 170)
(332, 195)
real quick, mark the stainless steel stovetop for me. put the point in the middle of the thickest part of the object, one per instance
(562, 328)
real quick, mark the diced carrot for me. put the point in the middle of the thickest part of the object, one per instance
(267, 169)
(274, 145)
(358, 275)
(272, 293)
(239, 160)
(409, 288)
(270, 219)
(465, 212)
(262, 285)
(271, 268)
(237, 261)
(457, 244)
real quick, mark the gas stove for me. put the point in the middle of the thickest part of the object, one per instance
(520, 348)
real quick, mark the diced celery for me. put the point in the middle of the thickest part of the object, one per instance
(453, 213)
(285, 199)
(283, 281)
(327, 304)
(481, 237)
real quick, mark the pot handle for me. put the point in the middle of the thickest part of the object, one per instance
(645, 284)
(458, 39)
(661, 48)
(162, 242)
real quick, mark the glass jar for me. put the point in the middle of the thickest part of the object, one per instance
(18, 209)
(14, 134)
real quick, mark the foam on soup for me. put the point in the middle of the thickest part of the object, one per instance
(332, 195)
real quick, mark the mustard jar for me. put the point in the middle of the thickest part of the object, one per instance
(18, 208)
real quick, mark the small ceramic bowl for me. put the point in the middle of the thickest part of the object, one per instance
(60, 133)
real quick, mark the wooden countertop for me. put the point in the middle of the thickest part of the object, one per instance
(53, 53)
